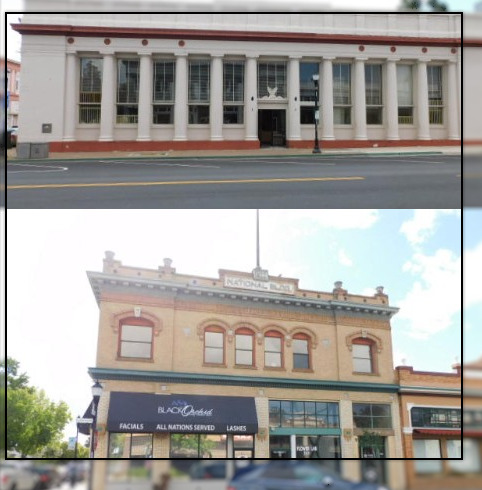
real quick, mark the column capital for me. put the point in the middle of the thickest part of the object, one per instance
(394, 60)
(217, 55)
(181, 54)
(423, 60)
(107, 52)
(252, 56)
(328, 58)
(295, 56)
(361, 58)
(145, 53)
(452, 61)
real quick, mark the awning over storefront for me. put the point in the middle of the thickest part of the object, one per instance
(84, 427)
(145, 412)
(438, 432)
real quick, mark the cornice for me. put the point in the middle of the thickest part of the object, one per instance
(227, 380)
(100, 280)
(229, 35)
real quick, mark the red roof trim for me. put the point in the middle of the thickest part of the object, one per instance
(473, 433)
(298, 37)
(472, 43)
(438, 432)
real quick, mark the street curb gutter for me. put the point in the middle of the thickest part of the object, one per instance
(211, 157)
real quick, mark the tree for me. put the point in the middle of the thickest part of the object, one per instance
(61, 450)
(33, 420)
(14, 379)
(430, 5)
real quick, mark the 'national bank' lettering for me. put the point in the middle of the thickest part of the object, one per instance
(268, 286)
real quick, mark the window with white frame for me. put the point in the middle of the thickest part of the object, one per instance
(127, 91)
(427, 453)
(135, 341)
(342, 93)
(307, 92)
(471, 462)
(163, 92)
(405, 94)
(373, 93)
(233, 92)
(272, 80)
(199, 91)
(90, 93)
(435, 94)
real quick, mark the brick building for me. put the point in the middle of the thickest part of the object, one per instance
(241, 365)
(13, 92)
(431, 419)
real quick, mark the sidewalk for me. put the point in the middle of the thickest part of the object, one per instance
(263, 152)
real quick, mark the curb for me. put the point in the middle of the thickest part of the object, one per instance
(322, 155)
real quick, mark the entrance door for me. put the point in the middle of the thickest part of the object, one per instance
(272, 127)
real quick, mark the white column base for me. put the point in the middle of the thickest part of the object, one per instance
(68, 138)
(454, 138)
(424, 138)
(361, 138)
(180, 138)
(328, 138)
(251, 138)
(393, 138)
(144, 138)
(105, 139)
(217, 138)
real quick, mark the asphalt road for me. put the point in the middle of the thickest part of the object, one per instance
(341, 181)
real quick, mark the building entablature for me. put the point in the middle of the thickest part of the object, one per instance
(102, 282)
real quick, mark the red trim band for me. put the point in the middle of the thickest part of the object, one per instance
(88, 146)
(200, 34)
(438, 432)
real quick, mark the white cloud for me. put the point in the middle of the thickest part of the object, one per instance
(422, 226)
(343, 258)
(429, 307)
(472, 281)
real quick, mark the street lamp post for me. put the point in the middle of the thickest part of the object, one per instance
(96, 393)
(76, 437)
(316, 78)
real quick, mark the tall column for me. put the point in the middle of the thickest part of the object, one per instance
(392, 99)
(216, 94)
(459, 88)
(107, 106)
(293, 446)
(251, 99)
(180, 103)
(70, 103)
(294, 123)
(452, 102)
(145, 97)
(327, 132)
(360, 100)
(422, 101)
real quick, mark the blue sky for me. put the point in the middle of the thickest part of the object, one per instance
(472, 284)
(415, 255)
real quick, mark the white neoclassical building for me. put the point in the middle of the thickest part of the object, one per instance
(239, 80)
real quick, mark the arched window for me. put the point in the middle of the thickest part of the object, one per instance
(301, 351)
(363, 355)
(273, 349)
(214, 345)
(135, 338)
(244, 346)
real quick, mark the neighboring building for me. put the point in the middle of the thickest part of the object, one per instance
(431, 419)
(478, 7)
(13, 92)
(190, 81)
(243, 365)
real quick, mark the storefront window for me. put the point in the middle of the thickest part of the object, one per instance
(471, 462)
(314, 447)
(279, 447)
(303, 414)
(126, 471)
(198, 446)
(427, 448)
(372, 416)
(122, 445)
(243, 446)
(436, 417)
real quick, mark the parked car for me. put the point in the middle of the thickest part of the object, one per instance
(208, 470)
(289, 475)
(76, 471)
(18, 476)
(48, 475)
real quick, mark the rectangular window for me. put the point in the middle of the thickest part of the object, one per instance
(342, 93)
(405, 94)
(122, 445)
(301, 358)
(136, 341)
(244, 350)
(423, 449)
(471, 462)
(362, 360)
(308, 92)
(303, 414)
(199, 91)
(315, 447)
(90, 95)
(435, 94)
(436, 417)
(127, 91)
(214, 347)
(233, 92)
(199, 446)
(163, 92)
(272, 352)
(372, 416)
(272, 80)
(373, 93)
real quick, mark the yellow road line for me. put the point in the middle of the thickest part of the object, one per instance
(181, 182)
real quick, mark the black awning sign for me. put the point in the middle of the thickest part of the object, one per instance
(145, 412)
